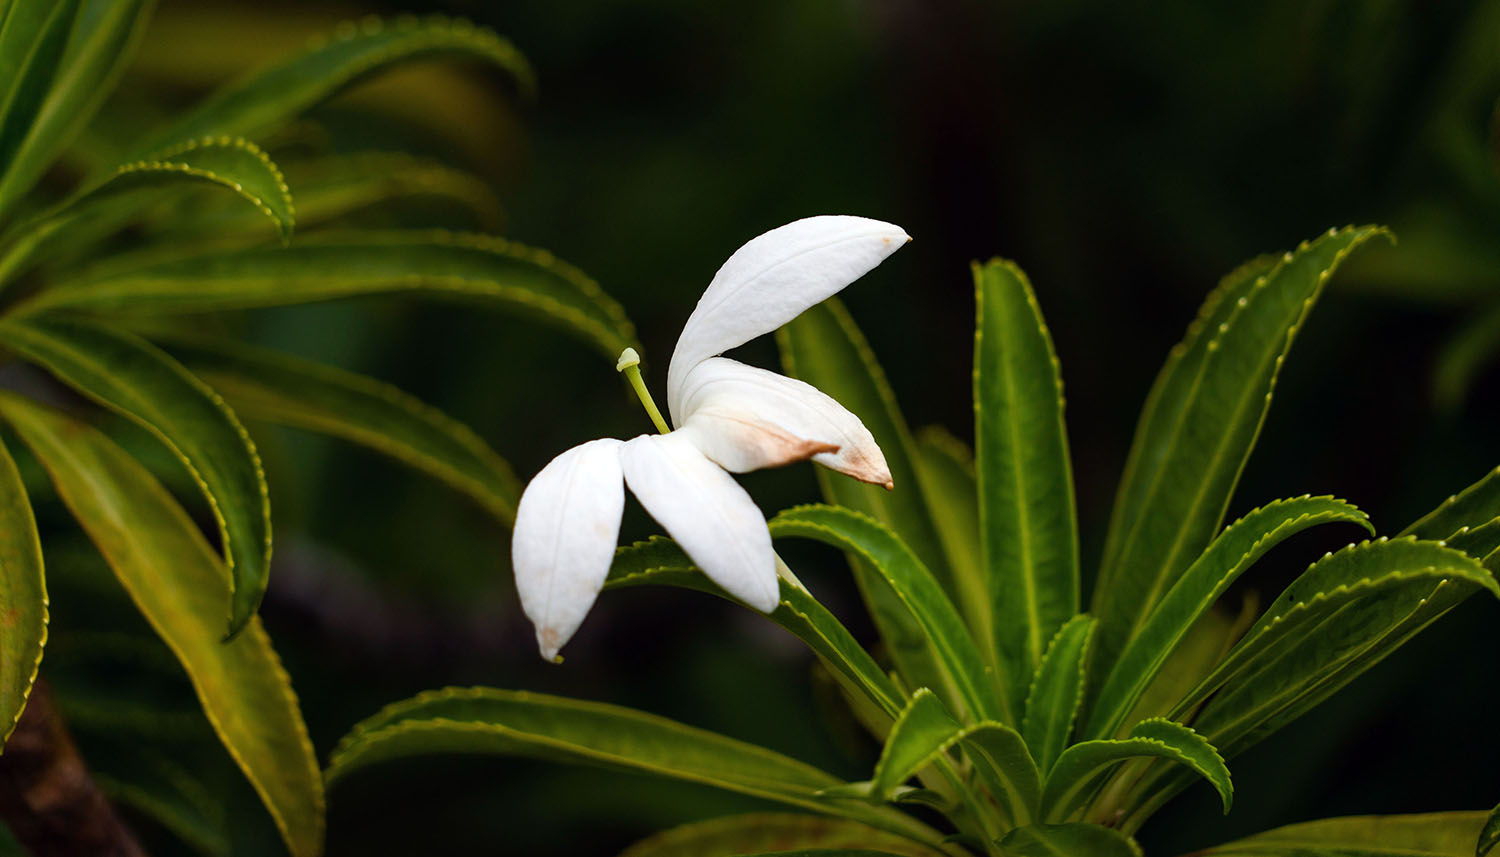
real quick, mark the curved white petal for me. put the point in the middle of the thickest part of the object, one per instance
(707, 512)
(567, 525)
(746, 418)
(771, 280)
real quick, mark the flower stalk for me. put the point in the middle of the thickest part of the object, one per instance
(630, 364)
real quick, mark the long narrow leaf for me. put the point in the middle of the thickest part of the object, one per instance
(1437, 834)
(518, 723)
(1057, 691)
(1082, 768)
(23, 597)
(98, 49)
(759, 831)
(33, 36)
(968, 688)
(1475, 505)
(479, 269)
(923, 732)
(132, 377)
(1236, 549)
(1027, 522)
(1068, 840)
(268, 385)
(181, 588)
(354, 53)
(946, 465)
(1199, 428)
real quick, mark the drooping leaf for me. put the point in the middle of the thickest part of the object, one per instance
(1437, 834)
(356, 52)
(923, 732)
(1238, 547)
(1084, 767)
(129, 375)
(947, 465)
(518, 723)
(181, 588)
(1199, 426)
(1027, 523)
(1474, 506)
(1342, 616)
(33, 36)
(23, 597)
(278, 388)
(825, 348)
(1057, 691)
(968, 688)
(1068, 840)
(100, 46)
(472, 268)
(111, 203)
(659, 561)
(741, 834)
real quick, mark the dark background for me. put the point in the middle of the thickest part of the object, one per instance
(1125, 154)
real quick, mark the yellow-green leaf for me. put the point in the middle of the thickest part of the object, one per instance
(23, 597)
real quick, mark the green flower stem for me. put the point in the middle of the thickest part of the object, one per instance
(630, 364)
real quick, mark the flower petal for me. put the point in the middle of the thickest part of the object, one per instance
(746, 418)
(771, 280)
(567, 525)
(707, 512)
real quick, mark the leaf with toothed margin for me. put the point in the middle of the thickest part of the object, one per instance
(134, 378)
(947, 465)
(923, 732)
(1083, 768)
(471, 268)
(1027, 523)
(659, 561)
(532, 725)
(279, 388)
(100, 45)
(1347, 612)
(741, 834)
(1238, 547)
(1481, 542)
(108, 205)
(23, 597)
(967, 688)
(1068, 840)
(1057, 691)
(1472, 507)
(1434, 834)
(1198, 428)
(177, 581)
(356, 52)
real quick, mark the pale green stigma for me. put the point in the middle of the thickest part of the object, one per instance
(630, 364)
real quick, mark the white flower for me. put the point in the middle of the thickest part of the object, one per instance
(729, 417)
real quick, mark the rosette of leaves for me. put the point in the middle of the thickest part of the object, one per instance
(1031, 723)
(189, 218)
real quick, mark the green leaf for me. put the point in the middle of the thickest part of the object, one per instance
(180, 586)
(1082, 768)
(739, 834)
(659, 561)
(1474, 506)
(923, 733)
(1340, 617)
(968, 687)
(356, 52)
(1489, 834)
(134, 378)
(473, 268)
(1238, 547)
(1199, 425)
(110, 204)
(519, 723)
(824, 348)
(1057, 691)
(33, 35)
(1027, 523)
(947, 465)
(99, 47)
(23, 597)
(1437, 834)
(267, 385)
(1481, 543)
(1068, 840)
(1003, 763)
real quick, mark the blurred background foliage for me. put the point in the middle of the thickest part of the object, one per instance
(1125, 154)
